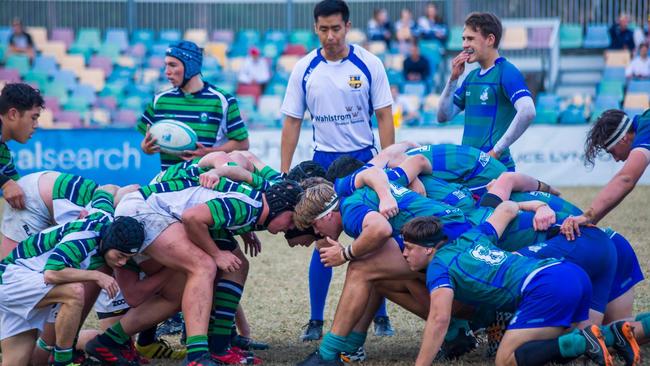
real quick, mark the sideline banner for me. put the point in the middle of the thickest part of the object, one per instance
(550, 153)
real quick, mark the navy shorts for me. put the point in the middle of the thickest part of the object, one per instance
(593, 251)
(325, 159)
(628, 271)
(556, 296)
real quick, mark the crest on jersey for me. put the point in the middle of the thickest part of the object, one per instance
(491, 256)
(204, 117)
(484, 95)
(355, 81)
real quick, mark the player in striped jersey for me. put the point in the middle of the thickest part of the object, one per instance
(51, 198)
(208, 110)
(20, 107)
(53, 267)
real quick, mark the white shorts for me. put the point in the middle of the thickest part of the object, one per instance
(22, 289)
(105, 307)
(134, 205)
(17, 225)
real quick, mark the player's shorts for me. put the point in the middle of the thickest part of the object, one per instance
(228, 244)
(17, 225)
(556, 296)
(325, 159)
(22, 289)
(134, 205)
(628, 271)
(481, 176)
(593, 251)
(105, 307)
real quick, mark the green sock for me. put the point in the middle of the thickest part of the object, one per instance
(454, 327)
(117, 334)
(331, 346)
(62, 356)
(355, 340)
(608, 335)
(645, 323)
(641, 316)
(196, 346)
(572, 344)
(227, 295)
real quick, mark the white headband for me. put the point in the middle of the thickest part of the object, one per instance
(329, 207)
(618, 133)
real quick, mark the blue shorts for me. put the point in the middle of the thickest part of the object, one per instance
(400, 242)
(593, 251)
(325, 159)
(628, 271)
(557, 296)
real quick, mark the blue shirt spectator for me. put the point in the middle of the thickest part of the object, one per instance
(379, 27)
(431, 27)
(622, 37)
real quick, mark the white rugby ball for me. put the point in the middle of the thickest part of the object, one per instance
(173, 136)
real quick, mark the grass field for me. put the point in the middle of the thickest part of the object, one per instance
(277, 306)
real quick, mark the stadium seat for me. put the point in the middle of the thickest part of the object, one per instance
(539, 37)
(107, 102)
(118, 37)
(18, 62)
(73, 63)
(5, 33)
(65, 35)
(378, 48)
(617, 58)
(247, 38)
(286, 63)
(356, 35)
(234, 64)
(46, 119)
(3, 50)
(639, 86)
(109, 50)
(275, 88)
(68, 119)
(272, 50)
(304, 37)
(45, 63)
(65, 78)
(36, 77)
(92, 76)
(637, 100)
(546, 116)
(158, 49)
(418, 89)
(88, 39)
(614, 73)
(394, 61)
(547, 102)
(613, 88)
(253, 90)
(168, 36)
(54, 49)
(395, 77)
(413, 101)
(39, 36)
(80, 105)
(514, 38)
(84, 92)
(455, 42)
(571, 36)
(269, 106)
(295, 50)
(133, 102)
(222, 35)
(9, 75)
(125, 117)
(275, 36)
(57, 91)
(101, 62)
(126, 61)
(573, 115)
(604, 102)
(137, 50)
(597, 36)
(52, 103)
(100, 117)
(217, 50)
(143, 36)
(432, 51)
(196, 35)
(156, 62)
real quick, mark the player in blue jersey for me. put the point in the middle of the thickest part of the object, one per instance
(342, 85)
(626, 139)
(497, 103)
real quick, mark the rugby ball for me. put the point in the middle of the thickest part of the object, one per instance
(173, 136)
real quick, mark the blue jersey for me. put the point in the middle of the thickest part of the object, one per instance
(641, 126)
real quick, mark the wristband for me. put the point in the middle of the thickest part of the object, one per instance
(490, 200)
(348, 251)
(4, 179)
(543, 187)
(345, 256)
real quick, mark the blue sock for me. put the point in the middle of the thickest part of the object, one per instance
(382, 309)
(319, 283)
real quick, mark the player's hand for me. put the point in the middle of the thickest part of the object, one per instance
(226, 261)
(544, 218)
(332, 256)
(148, 144)
(108, 284)
(251, 243)
(571, 226)
(199, 152)
(418, 187)
(209, 179)
(458, 65)
(14, 195)
(494, 154)
(388, 207)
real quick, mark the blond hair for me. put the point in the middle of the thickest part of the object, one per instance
(313, 202)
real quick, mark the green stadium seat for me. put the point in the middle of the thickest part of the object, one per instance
(80, 105)
(570, 36)
(304, 37)
(275, 88)
(455, 42)
(247, 38)
(133, 102)
(613, 88)
(144, 36)
(18, 62)
(37, 77)
(168, 36)
(546, 116)
(87, 39)
(109, 50)
(53, 89)
(573, 115)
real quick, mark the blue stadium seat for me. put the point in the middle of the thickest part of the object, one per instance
(144, 36)
(414, 88)
(604, 102)
(88, 40)
(570, 36)
(66, 78)
(455, 42)
(612, 88)
(45, 63)
(84, 92)
(573, 115)
(597, 36)
(36, 77)
(638, 86)
(247, 38)
(275, 36)
(547, 102)
(5, 33)
(546, 116)
(118, 37)
(614, 73)
(170, 36)
(18, 62)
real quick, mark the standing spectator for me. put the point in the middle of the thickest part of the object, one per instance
(622, 37)
(405, 30)
(639, 68)
(431, 26)
(20, 42)
(255, 69)
(416, 67)
(379, 27)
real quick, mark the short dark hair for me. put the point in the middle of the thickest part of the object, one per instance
(20, 96)
(422, 229)
(602, 131)
(342, 167)
(486, 23)
(326, 8)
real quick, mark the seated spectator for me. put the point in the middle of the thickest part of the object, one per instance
(255, 69)
(431, 26)
(405, 31)
(642, 33)
(379, 27)
(20, 42)
(416, 67)
(403, 114)
(622, 37)
(639, 68)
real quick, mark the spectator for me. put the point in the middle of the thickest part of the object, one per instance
(416, 67)
(642, 33)
(379, 27)
(431, 26)
(402, 111)
(20, 42)
(622, 37)
(255, 69)
(639, 68)
(405, 30)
